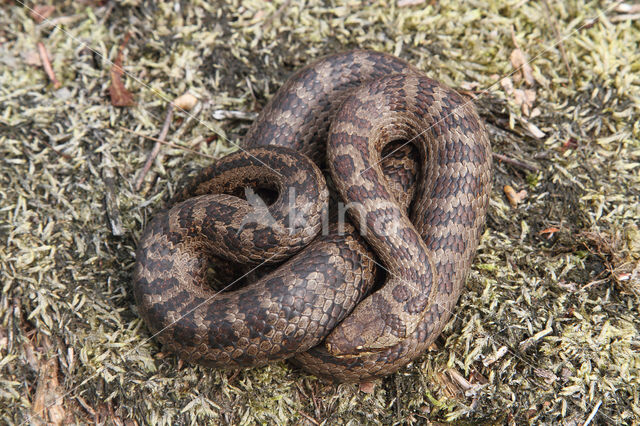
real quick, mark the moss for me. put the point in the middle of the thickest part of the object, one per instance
(548, 327)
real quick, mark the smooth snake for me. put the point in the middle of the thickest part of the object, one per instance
(411, 160)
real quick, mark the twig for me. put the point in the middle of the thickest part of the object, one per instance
(253, 95)
(47, 390)
(311, 419)
(156, 148)
(593, 283)
(626, 17)
(560, 44)
(192, 118)
(398, 393)
(172, 145)
(221, 114)
(276, 14)
(591, 22)
(593, 413)
(60, 20)
(46, 64)
(627, 8)
(113, 213)
(107, 13)
(86, 406)
(514, 162)
(527, 343)
(62, 154)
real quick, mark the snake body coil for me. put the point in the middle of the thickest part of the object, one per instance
(412, 161)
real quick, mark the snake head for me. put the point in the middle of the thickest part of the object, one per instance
(367, 329)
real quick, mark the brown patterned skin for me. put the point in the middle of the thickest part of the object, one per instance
(284, 312)
(350, 108)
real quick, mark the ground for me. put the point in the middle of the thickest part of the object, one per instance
(547, 329)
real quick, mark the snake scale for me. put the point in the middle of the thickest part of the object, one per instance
(411, 162)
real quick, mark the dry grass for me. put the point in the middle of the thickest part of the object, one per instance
(548, 327)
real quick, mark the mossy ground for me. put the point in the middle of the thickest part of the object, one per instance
(548, 327)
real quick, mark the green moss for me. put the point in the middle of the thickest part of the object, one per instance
(547, 329)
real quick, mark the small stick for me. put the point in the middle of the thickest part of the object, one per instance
(514, 162)
(221, 114)
(276, 14)
(626, 17)
(60, 20)
(308, 417)
(62, 154)
(86, 406)
(190, 121)
(156, 148)
(593, 413)
(107, 14)
(563, 53)
(46, 64)
(113, 213)
(172, 145)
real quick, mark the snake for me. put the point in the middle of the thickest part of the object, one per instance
(345, 225)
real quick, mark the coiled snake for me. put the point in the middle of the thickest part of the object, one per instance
(411, 160)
